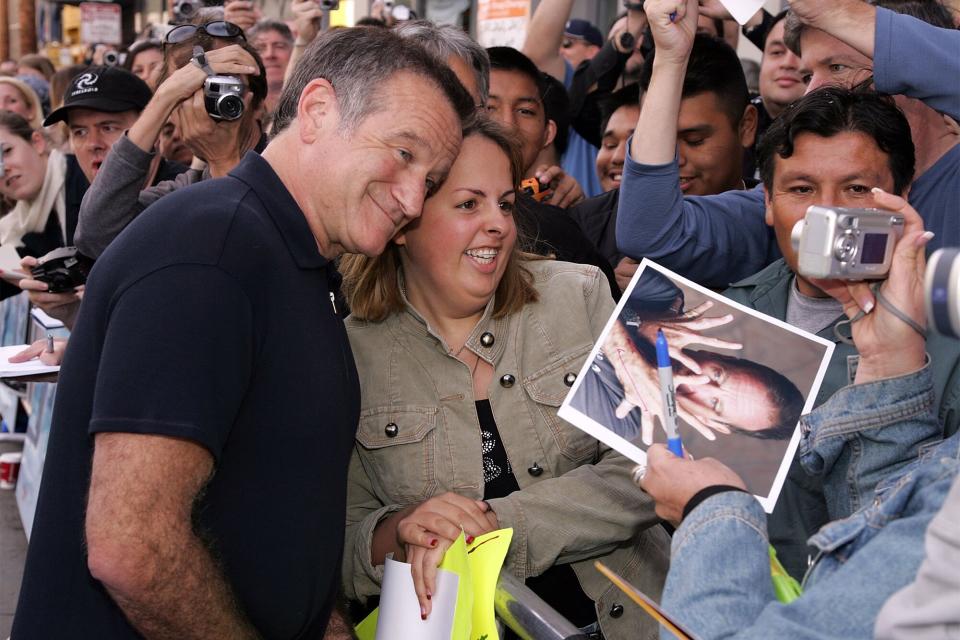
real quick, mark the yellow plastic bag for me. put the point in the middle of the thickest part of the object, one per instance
(478, 567)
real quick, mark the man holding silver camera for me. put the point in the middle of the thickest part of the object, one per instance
(829, 149)
(195, 476)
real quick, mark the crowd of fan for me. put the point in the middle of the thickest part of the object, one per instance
(337, 327)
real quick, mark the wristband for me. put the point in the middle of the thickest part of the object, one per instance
(705, 493)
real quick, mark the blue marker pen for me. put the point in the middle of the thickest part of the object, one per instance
(665, 369)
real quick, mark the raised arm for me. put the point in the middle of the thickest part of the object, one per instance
(544, 35)
(714, 240)
(910, 57)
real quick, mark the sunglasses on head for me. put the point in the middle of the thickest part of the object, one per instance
(216, 29)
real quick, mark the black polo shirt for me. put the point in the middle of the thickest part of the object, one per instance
(209, 319)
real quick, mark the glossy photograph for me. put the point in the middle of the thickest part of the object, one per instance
(680, 364)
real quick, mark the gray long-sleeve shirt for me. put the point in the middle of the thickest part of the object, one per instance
(116, 196)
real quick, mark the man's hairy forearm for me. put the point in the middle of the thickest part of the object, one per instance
(186, 597)
(141, 544)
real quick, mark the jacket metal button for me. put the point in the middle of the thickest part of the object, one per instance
(569, 379)
(487, 339)
(535, 470)
(616, 611)
(391, 429)
(507, 380)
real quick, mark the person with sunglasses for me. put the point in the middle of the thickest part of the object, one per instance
(118, 196)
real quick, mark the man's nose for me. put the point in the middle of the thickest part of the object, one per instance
(620, 154)
(410, 194)
(816, 81)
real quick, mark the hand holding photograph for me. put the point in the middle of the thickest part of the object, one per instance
(740, 380)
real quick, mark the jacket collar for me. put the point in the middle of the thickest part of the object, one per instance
(413, 322)
(770, 293)
(257, 174)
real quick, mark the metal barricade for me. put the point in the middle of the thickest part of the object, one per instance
(527, 615)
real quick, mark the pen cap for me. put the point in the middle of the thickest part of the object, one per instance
(663, 352)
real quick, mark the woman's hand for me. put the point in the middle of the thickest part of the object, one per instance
(427, 531)
(684, 330)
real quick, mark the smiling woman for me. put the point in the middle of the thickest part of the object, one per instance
(465, 348)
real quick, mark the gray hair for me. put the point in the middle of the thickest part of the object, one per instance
(268, 24)
(792, 28)
(357, 62)
(447, 40)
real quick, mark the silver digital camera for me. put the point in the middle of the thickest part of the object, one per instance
(223, 97)
(846, 244)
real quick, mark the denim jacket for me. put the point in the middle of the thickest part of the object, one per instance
(886, 473)
(419, 436)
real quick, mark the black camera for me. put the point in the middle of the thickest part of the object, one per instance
(223, 97)
(329, 5)
(62, 269)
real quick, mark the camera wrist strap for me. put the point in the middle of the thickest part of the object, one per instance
(200, 59)
(889, 306)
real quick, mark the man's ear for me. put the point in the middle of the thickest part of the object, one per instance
(318, 110)
(549, 134)
(768, 204)
(748, 127)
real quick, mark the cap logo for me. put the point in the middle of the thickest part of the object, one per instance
(85, 83)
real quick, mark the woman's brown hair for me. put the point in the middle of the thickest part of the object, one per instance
(372, 287)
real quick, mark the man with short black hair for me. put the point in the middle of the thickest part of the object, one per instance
(196, 473)
(713, 126)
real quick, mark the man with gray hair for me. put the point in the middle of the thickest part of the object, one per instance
(464, 55)
(196, 472)
(273, 40)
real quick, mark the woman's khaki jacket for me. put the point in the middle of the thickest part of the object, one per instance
(419, 436)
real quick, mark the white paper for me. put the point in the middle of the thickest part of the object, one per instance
(10, 268)
(742, 10)
(399, 617)
(29, 368)
(762, 463)
(46, 320)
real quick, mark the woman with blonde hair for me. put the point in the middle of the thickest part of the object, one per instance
(17, 96)
(465, 348)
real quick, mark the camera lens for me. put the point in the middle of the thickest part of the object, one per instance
(186, 9)
(230, 107)
(942, 292)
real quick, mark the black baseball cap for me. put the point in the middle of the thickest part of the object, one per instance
(109, 89)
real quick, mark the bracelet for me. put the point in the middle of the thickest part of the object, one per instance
(298, 43)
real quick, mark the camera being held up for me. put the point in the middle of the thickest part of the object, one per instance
(857, 244)
(223, 97)
(329, 5)
(846, 244)
(62, 269)
(185, 10)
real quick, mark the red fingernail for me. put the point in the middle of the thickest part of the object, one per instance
(423, 616)
(469, 539)
(429, 597)
(433, 542)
